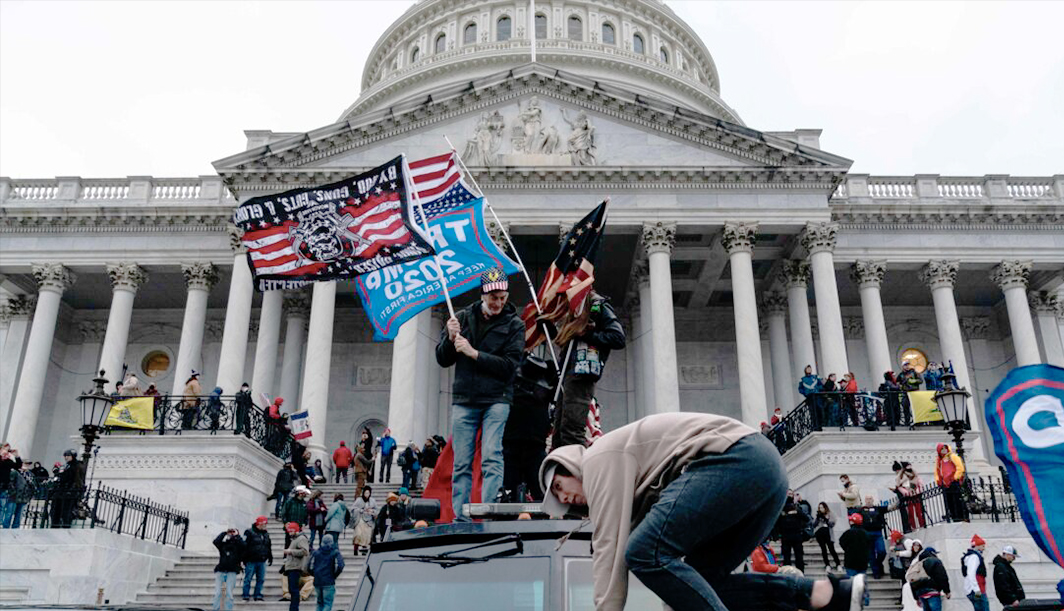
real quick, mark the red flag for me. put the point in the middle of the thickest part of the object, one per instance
(439, 486)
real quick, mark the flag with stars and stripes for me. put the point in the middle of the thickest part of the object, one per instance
(341, 230)
(568, 283)
(439, 185)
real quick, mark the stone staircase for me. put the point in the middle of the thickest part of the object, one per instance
(191, 582)
(883, 593)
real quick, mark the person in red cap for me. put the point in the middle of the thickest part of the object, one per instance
(974, 571)
(342, 458)
(297, 583)
(258, 552)
(856, 547)
(275, 425)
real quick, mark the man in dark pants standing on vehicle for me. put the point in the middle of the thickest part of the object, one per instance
(590, 351)
(681, 500)
(484, 342)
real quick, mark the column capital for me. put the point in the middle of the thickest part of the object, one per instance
(1044, 302)
(739, 237)
(1011, 274)
(200, 275)
(774, 303)
(819, 237)
(92, 331)
(659, 237)
(940, 273)
(126, 276)
(795, 273)
(297, 304)
(53, 276)
(236, 236)
(21, 306)
(868, 273)
(497, 232)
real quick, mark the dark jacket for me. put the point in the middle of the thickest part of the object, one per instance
(257, 546)
(1006, 583)
(874, 521)
(910, 380)
(791, 523)
(326, 564)
(607, 334)
(411, 459)
(938, 580)
(500, 340)
(397, 514)
(286, 481)
(529, 420)
(429, 456)
(855, 544)
(230, 553)
(8, 465)
(244, 402)
(295, 510)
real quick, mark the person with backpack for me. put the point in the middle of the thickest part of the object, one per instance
(326, 564)
(258, 552)
(928, 580)
(410, 463)
(973, 569)
(337, 518)
(22, 488)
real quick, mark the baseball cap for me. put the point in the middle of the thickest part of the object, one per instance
(551, 505)
(1008, 549)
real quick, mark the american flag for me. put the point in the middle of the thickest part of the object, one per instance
(439, 184)
(568, 283)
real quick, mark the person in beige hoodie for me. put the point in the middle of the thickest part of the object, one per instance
(681, 500)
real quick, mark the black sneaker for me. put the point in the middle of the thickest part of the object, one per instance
(245, 598)
(259, 599)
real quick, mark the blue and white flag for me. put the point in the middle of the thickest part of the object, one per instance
(299, 423)
(1025, 414)
(394, 295)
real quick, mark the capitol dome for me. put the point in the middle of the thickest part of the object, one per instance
(638, 44)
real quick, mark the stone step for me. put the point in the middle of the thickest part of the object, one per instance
(272, 590)
(192, 579)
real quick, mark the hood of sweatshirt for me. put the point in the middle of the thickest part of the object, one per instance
(572, 458)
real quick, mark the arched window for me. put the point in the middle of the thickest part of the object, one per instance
(609, 35)
(441, 43)
(541, 26)
(469, 35)
(664, 55)
(637, 44)
(414, 55)
(502, 29)
(576, 28)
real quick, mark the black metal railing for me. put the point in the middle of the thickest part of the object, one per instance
(222, 415)
(55, 506)
(973, 499)
(826, 411)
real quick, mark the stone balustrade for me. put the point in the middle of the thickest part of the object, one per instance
(96, 191)
(932, 188)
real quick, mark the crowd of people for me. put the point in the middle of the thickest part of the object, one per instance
(23, 481)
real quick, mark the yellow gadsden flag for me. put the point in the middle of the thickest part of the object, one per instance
(924, 407)
(136, 413)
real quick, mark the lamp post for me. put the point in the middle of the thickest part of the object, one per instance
(953, 405)
(95, 406)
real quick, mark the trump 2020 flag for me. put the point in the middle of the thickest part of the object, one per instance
(336, 231)
(394, 295)
(136, 413)
(299, 423)
(1025, 414)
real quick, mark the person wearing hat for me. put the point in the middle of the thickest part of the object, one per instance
(681, 500)
(928, 580)
(296, 569)
(283, 485)
(295, 508)
(1006, 582)
(67, 491)
(258, 552)
(244, 405)
(973, 569)
(190, 400)
(484, 343)
(856, 547)
(230, 555)
(392, 516)
(326, 564)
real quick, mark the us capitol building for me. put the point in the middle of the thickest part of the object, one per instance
(735, 256)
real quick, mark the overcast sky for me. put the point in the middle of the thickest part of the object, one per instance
(109, 89)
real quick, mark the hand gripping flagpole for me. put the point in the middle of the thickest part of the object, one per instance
(425, 229)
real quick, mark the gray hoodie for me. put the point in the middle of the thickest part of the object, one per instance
(623, 474)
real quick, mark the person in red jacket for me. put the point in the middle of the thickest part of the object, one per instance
(342, 458)
(763, 560)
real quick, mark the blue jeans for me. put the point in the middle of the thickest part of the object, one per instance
(10, 512)
(3, 507)
(979, 604)
(706, 523)
(933, 603)
(229, 579)
(465, 422)
(876, 554)
(281, 498)
(325, 597)
(258, 571)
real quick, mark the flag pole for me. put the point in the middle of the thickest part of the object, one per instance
(425, 228)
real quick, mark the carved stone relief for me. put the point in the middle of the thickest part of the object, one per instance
(536, 137)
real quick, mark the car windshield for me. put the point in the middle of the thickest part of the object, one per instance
(580, 589)
(504, 584)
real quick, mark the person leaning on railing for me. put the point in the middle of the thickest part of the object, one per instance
(190, 401)
(244, 405)
(949, 475)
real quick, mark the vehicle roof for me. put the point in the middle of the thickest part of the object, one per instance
(458, 532)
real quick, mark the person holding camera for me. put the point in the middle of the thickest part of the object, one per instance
(230, 555)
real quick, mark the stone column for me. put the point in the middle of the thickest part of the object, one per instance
(408, 401)
(658, 239)
(1011, 276)
(18, 309)
(126, 278)
(1045, 306)
(52, 280)
(783, 380)
(795, 276)
(199, 278)
(647, 375)
(262, 376)
(738, 241)
(869, 276)
(819, 241)
(237, 319)
(297, 312)
(315, 398)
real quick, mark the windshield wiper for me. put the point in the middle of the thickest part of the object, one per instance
(449, 559)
